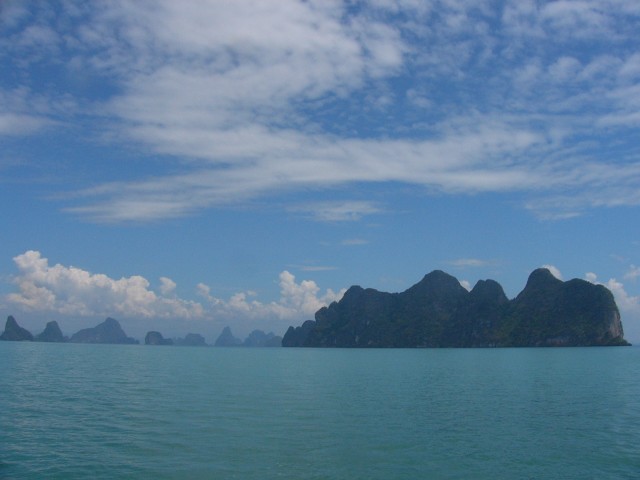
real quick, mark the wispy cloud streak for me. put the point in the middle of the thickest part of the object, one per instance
(257, 98)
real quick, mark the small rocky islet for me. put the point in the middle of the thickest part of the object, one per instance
(436, 312)
(111, 332)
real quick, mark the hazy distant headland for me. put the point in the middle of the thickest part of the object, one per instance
(439, 312)
(110, 332)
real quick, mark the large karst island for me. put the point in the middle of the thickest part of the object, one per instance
(439, 312)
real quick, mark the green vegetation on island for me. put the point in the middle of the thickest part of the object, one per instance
(439, 312)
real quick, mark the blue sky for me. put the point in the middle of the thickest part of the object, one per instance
(182, 166)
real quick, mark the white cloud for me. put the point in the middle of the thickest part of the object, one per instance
(19, 124)
(167, 286)
(297, 301)
(244, 98)
(633, 273)
(21, 113)
(73, 291)
(471, 262)
(338, 211)
(628, 304)
(317, 268)
(304, 296)
(76, 292)
(455, 163)
(554, 271)
(351, 242)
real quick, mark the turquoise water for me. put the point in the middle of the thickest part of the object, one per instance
(105, 411)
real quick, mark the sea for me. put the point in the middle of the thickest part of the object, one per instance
(70, 411)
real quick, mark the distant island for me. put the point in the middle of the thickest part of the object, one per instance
(439, 312)
(257, 338)
(110, 332)
(15, 333)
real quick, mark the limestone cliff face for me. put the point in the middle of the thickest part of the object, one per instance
(615, 325)
(439, 312)
(551, 312)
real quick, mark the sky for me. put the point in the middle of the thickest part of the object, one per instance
(184, 166)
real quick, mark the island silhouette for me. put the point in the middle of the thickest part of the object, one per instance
(436, 312)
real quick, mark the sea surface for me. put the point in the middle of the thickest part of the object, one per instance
(71, 411)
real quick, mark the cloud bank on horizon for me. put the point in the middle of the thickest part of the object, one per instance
(75, 292)
(247, 99)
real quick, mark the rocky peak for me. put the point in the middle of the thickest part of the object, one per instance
(437, 281)
(108, 331)
(489, 290)
(541, 278)
(14, 332)
(226, 339)
(51, 333)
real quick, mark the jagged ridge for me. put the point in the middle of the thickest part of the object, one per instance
(439, 312)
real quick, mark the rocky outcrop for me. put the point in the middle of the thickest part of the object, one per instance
(156, 338)
(258, 338)
(549, 312)
(297, 336)
(226, 339)
(439, 312)
(51, 333)
(108, 331)
(14, 332)
(191, 340)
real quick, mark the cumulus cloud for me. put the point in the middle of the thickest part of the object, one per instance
(633, 273)
(167, 286)
(626, 302)
(297, 300)
(73, 291)
(304, 296)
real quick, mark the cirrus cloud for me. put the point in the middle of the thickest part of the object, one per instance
(251, 99)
